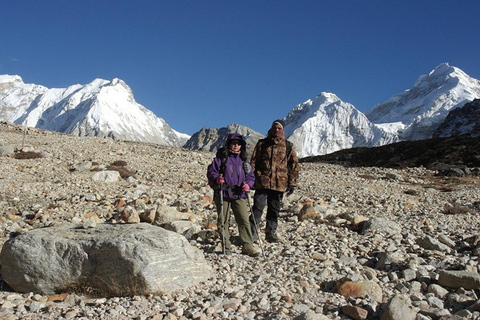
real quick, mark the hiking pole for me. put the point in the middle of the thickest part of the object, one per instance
(222, 219)
(256, 227)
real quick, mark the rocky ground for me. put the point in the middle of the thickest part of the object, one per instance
(358, 242)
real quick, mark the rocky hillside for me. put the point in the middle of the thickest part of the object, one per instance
(358, 242)
(211, 139)
(465, 120)
(457, 151)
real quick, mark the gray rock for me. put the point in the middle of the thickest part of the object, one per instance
(379, 225)
(399, 308)
(437, 290)
(122, 259)
(435, 302)
(430, 243)
(165, 214)
(106, 176)
(457, 279)
(6, 150)
(310, 315)
(446, 240)
(435, 313)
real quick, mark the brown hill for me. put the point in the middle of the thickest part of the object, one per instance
(458, 151)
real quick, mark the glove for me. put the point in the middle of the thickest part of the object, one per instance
(246, 187)
(220, 180)
(290, 190)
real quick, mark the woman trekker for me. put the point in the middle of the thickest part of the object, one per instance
(232, 178)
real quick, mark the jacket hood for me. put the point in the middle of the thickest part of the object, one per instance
(235, 136)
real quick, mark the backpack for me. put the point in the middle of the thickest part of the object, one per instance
(221, 154)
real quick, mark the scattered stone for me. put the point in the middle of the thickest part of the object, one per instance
(360, 289)
(298, 278)
(307, 212)
(430, 243)
(379, 225)
(399, 308)
(106, 176)
(123, 259)
(459, 279)
(354, 312)
(7, 150)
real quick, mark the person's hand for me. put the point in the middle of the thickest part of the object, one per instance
(220, 179)
(290, 190)
(246, 187)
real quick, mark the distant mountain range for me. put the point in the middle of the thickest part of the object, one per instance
(318, 126)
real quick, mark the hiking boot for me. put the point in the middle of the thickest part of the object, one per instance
(250, 252)
(272, 237)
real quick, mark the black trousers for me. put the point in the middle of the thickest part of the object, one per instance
(273, 200)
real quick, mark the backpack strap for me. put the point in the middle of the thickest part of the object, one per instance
(223, 164)
(289, 146)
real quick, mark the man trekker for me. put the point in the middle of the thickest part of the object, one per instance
(275, 164)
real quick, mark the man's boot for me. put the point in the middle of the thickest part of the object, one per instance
(272, 237)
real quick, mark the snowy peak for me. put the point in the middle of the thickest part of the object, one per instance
(100, 108)
(327, 124)
(422, 108)
(10, 79)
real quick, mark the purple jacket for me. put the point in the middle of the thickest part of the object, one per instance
(234, 175)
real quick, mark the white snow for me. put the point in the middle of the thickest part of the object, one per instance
(101, 107)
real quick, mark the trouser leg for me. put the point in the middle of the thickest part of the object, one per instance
(259, 202)
(240, 211)
(223, 229)
(274, 200)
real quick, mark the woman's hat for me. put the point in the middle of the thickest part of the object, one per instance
(236, 136)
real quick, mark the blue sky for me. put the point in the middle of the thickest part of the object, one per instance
(211, 63)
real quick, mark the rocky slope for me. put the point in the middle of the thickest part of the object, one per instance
(465, 120)
(457, 151)
(211, 139)
(380, 241)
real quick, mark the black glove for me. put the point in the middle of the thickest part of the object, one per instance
(290, 190)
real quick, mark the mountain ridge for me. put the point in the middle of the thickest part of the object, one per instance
(100, 108)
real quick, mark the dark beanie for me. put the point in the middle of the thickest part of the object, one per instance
(280, 122)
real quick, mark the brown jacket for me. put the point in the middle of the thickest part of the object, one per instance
(274, 169)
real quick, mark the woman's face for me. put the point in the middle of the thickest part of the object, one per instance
(235, 145)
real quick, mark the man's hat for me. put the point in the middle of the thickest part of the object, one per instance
(279, 122)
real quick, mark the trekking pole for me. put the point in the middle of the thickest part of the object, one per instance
(256, 227)
(222, 219)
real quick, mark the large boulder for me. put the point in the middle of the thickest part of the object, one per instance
(111, 260)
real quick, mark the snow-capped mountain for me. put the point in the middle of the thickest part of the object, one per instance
(417, 112)
(101, 108)
(327, 124)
